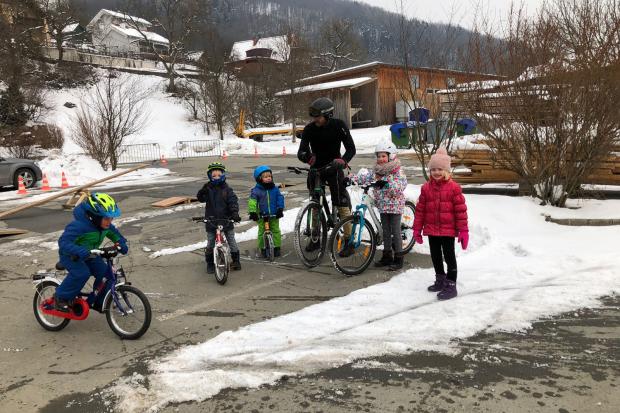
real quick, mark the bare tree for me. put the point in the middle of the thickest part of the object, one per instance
(557, 117)
(114, 109)
(218, 88)
(413, 86)
(59, 14)
(296, 64)
(178, 21)
(339, 45)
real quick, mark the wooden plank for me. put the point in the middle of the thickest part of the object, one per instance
(6, 232)
(68, 192)
(175, 200)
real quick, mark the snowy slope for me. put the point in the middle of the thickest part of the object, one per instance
(169, 123)
(518, 269)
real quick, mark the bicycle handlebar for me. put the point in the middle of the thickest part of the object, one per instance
(299, 170)
(212, 220)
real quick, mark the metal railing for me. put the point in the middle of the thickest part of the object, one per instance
(142, 152)
(198, 148)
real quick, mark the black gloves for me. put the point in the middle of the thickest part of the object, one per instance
(236, 217)
(279, 213)
(254, 216)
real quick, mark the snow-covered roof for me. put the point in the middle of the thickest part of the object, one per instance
(341, 71)
(278, 44)
(131, 32)
(118, 15)
(347, 83)
(70, 28)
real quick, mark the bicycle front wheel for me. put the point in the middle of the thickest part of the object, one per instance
(130, 317)
(310, 238)
(352, 259)
(269, 246)
(222, 265)
(406, 227)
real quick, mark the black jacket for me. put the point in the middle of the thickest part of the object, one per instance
(325, 143)
(221, 203)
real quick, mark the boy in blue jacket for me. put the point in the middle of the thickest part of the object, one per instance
(92, 224)
(266, 201)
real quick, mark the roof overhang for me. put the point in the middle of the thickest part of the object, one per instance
(339, 84)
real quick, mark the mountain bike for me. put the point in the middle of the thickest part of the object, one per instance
(314, 220)
(127, 309)
(221, 250)
(364, 237)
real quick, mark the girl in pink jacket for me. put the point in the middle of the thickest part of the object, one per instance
(441, 214)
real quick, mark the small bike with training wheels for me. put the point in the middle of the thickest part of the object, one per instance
(127, 309)
(364, 237)
(221, 250)
(268, 238)
(313, 221)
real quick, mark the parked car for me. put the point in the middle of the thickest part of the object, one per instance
(11, 169)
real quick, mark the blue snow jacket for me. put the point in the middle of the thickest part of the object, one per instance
(265, 201)
(82, 235)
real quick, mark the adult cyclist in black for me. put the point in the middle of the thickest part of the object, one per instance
(320, 146)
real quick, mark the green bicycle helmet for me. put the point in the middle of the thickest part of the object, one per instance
(102, 205)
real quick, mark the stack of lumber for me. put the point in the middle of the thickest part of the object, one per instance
(483, 169)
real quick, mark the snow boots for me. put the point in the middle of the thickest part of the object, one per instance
(449, 291)
(62, 305)
(397, 265)
(440, 280)
(387, 259)
(236, 264)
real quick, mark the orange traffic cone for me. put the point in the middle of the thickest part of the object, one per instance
(255, 151)
(283, 150)
(224, 155)
(21, 188)
(64, 184)
(45, 186)
(163, 161)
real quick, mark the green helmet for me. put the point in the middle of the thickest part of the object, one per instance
(103, 205)
(216, 165)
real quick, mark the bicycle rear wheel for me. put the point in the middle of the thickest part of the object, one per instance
(310, 238)
(222, 265)
(269, 246)
(406, 227)
(363, 254)
(132, 318)
(44, 295)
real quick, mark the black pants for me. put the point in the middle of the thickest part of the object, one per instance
(445, 244)
(334, 178)
(392, 238)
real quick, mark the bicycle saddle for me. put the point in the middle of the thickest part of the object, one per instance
(60, 267)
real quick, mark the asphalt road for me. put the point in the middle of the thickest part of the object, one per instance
(569, 363)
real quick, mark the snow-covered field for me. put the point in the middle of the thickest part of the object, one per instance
(169, 123)
(517, 269)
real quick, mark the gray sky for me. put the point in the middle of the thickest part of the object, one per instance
(463, 12)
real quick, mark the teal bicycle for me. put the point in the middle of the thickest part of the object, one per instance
(358, 230)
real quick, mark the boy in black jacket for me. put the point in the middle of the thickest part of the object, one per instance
(221, 205)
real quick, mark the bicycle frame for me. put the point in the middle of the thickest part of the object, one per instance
(366, 205)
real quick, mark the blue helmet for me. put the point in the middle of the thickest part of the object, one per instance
(259, 171)
(102, 205)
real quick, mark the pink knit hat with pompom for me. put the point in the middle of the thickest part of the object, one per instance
(440, 159)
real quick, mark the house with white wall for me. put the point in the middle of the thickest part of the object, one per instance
(116, 32)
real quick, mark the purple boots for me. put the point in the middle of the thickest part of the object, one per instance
(445, 287)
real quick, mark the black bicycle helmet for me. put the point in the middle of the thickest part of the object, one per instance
(322, 107)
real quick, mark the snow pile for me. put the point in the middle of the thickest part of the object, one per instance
(468, 142)
(81, 169)
(519, 268)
